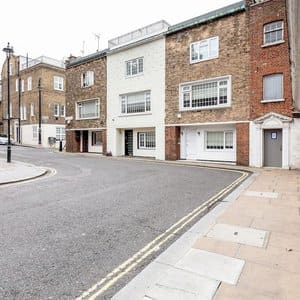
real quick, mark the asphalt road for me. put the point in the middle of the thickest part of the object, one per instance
(62, 234)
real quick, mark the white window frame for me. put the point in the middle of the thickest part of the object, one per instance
(17, 84)
(23, 111)
(29, 83)
(56, 110)
(87, 79)
(60, 133)
(62, 110)
(58, 83)
(265, 32)
(32, 109)
(22, 85)
(282, 88)
(143, 136)
(124, 100)
(198, 43)
(97, 102)
(224, 141)
(130, 62)
(184, 85)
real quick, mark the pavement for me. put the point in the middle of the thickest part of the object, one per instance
(248, 247)
(18, 171)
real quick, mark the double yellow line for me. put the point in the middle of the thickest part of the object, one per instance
(109, 280)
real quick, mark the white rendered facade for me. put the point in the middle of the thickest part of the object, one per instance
(150, 79)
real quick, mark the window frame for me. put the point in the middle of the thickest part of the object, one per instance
(60, 133)
(282, 88)
(58, 83)
(96, 100)
(90, 75)
(56, 110)
(193, 61)
(34, 132)
(32, 109)
(93, 138)
(17, 84)
(264, 34)
(144, 135)
(29, 83)
(147, 98)
(62, 110)
(139, 73)
(22, 86)
(224, 141)
(198, 82)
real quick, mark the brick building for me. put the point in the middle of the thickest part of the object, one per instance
(229, 87)
(272, 127)
(24, 95)
(86, 103)
(207, 87)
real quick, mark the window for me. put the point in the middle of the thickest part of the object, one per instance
(204, 50)
(56, 110)
(60, 133)
(22, 85)
(23, 112)
(17, 85)
(88, 109)
(206, 94)
(219, 140)
(62, 111)
(273, 32)
(146, 140)
(58, 83)
(135, 66)
(136, 103)
(96, 138)
(32, 109)
(34, 132)
(273, 87)
(11, 70)
(29, 83)
(87, 79)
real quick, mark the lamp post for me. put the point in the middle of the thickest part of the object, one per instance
(40, 111)
(9, 51)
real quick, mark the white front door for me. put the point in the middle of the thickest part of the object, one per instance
(191, 143)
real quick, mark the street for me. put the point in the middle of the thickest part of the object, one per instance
(62, 234)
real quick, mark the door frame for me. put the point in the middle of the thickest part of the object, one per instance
(126, 152)
(264, 141)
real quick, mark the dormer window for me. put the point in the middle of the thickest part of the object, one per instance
(87, 79)
(273, 33)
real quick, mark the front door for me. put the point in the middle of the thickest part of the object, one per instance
(273, 148)
(191, 143)
(85, 141)
(128, 142)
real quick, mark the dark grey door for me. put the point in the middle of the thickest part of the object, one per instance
(273, 148)
(129, 142)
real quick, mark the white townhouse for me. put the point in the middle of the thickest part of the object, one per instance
(136, 93)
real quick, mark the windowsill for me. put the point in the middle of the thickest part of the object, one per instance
(93, 118)
(133, 76)
(203, 108)
(219, 150)
(136, 114)
(85, 87)
(272, 44)
(59, 90)
(201, 60)
(272, 100)
(146, 148)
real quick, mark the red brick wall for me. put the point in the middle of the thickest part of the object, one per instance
(268, 60)
(72, 144)
(242, 144)
(172, 142)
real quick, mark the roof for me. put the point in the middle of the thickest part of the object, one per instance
(221, 12)
(87, 58)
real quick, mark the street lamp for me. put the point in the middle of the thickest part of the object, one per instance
(40, 111)
(9, 51)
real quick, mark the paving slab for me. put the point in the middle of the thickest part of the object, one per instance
(181, 284)
(261, 194)
(238, 234)
(212, 265)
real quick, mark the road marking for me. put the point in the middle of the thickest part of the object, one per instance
(110, 279)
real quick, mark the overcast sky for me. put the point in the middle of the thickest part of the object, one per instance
(57, 28)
